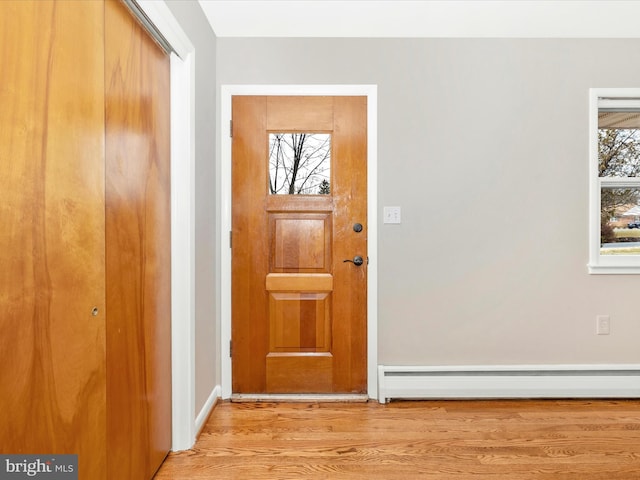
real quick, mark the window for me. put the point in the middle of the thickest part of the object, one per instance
(300, 163)
(614, 221)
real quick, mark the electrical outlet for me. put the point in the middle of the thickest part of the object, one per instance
(603, 325)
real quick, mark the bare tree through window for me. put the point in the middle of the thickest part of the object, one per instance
(618, 157)
(300, 163)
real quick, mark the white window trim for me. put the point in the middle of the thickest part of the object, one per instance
(604, 264)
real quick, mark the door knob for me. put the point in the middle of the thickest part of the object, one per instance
(357, 260)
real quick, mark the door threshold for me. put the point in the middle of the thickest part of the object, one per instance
(300, 397)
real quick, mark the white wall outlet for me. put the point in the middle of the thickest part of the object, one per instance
(392, 215)
(603, 324)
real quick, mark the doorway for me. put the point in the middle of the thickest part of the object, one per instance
(369, 375)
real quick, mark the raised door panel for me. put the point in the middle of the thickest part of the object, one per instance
(52, 347)
(301, 242)
(138, 247)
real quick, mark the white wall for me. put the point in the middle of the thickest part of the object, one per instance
(193, 21)
(483, 143)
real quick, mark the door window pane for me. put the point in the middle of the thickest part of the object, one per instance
(300, 163)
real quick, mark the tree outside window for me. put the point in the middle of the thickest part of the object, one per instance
(300, 163)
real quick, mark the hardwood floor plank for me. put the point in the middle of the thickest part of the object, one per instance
(518, 439)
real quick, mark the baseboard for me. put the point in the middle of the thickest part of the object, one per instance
(202, 417)
(508, 381)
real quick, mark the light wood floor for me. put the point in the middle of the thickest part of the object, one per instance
(519, 439)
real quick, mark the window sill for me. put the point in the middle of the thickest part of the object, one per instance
(614, 269)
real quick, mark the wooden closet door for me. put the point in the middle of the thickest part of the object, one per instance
(52, 348)
(138, 248)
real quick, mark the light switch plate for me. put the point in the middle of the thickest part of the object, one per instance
(392, 215)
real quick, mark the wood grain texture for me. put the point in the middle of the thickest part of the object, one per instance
(53, 237)
(300, 322)
(249, 330)
(138, 248)
(276, 235)
(350, 282)
(299, 372)
(301, 242)
(435, 440)
(296, 281)
(285, 115)
(310, 203)
(52, 371)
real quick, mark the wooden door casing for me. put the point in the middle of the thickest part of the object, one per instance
(138, 248)
(298, 311)
(52, 236)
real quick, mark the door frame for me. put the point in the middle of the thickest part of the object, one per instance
(223, 172)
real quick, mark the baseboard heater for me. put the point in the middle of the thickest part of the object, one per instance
(508, 381)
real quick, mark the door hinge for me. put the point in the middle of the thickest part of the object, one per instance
(230, 239)
(231, 128)
(230, 348)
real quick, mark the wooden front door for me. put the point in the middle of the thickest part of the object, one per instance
(299, 244)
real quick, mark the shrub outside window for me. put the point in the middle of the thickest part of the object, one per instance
(614, 221)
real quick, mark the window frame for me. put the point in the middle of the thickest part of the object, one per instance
(607, 264)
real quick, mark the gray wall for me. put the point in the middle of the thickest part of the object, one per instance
(484, 145)
(194, 23)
